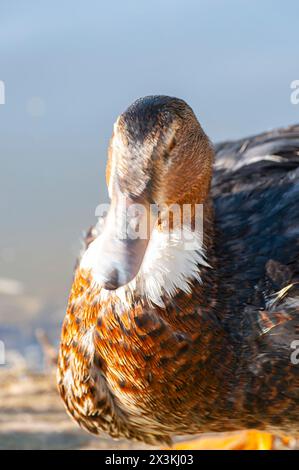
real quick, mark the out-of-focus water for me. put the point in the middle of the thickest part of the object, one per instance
(69, 69)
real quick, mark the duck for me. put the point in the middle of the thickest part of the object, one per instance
(189, 326)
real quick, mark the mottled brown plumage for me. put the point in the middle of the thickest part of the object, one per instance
(218, 357)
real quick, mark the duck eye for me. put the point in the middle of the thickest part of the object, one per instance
(172, 145)
(169, 149)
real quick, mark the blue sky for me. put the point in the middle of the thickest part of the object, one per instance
(71, 67)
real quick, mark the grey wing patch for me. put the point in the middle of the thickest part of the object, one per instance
(281, 294)
(281, 288)
(286, 298)
(279, 273)
(279, 147)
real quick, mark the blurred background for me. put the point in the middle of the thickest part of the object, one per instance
(69, 69)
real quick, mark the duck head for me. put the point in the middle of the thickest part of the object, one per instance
(158, 156)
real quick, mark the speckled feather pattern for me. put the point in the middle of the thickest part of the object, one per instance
(215, 358)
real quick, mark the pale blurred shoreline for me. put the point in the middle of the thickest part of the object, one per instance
(32, 416)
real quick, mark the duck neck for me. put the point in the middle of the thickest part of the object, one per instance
(195, 317)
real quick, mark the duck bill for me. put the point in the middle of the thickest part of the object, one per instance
(124, 241)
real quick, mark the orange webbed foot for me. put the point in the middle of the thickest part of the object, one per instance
(244, 440)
